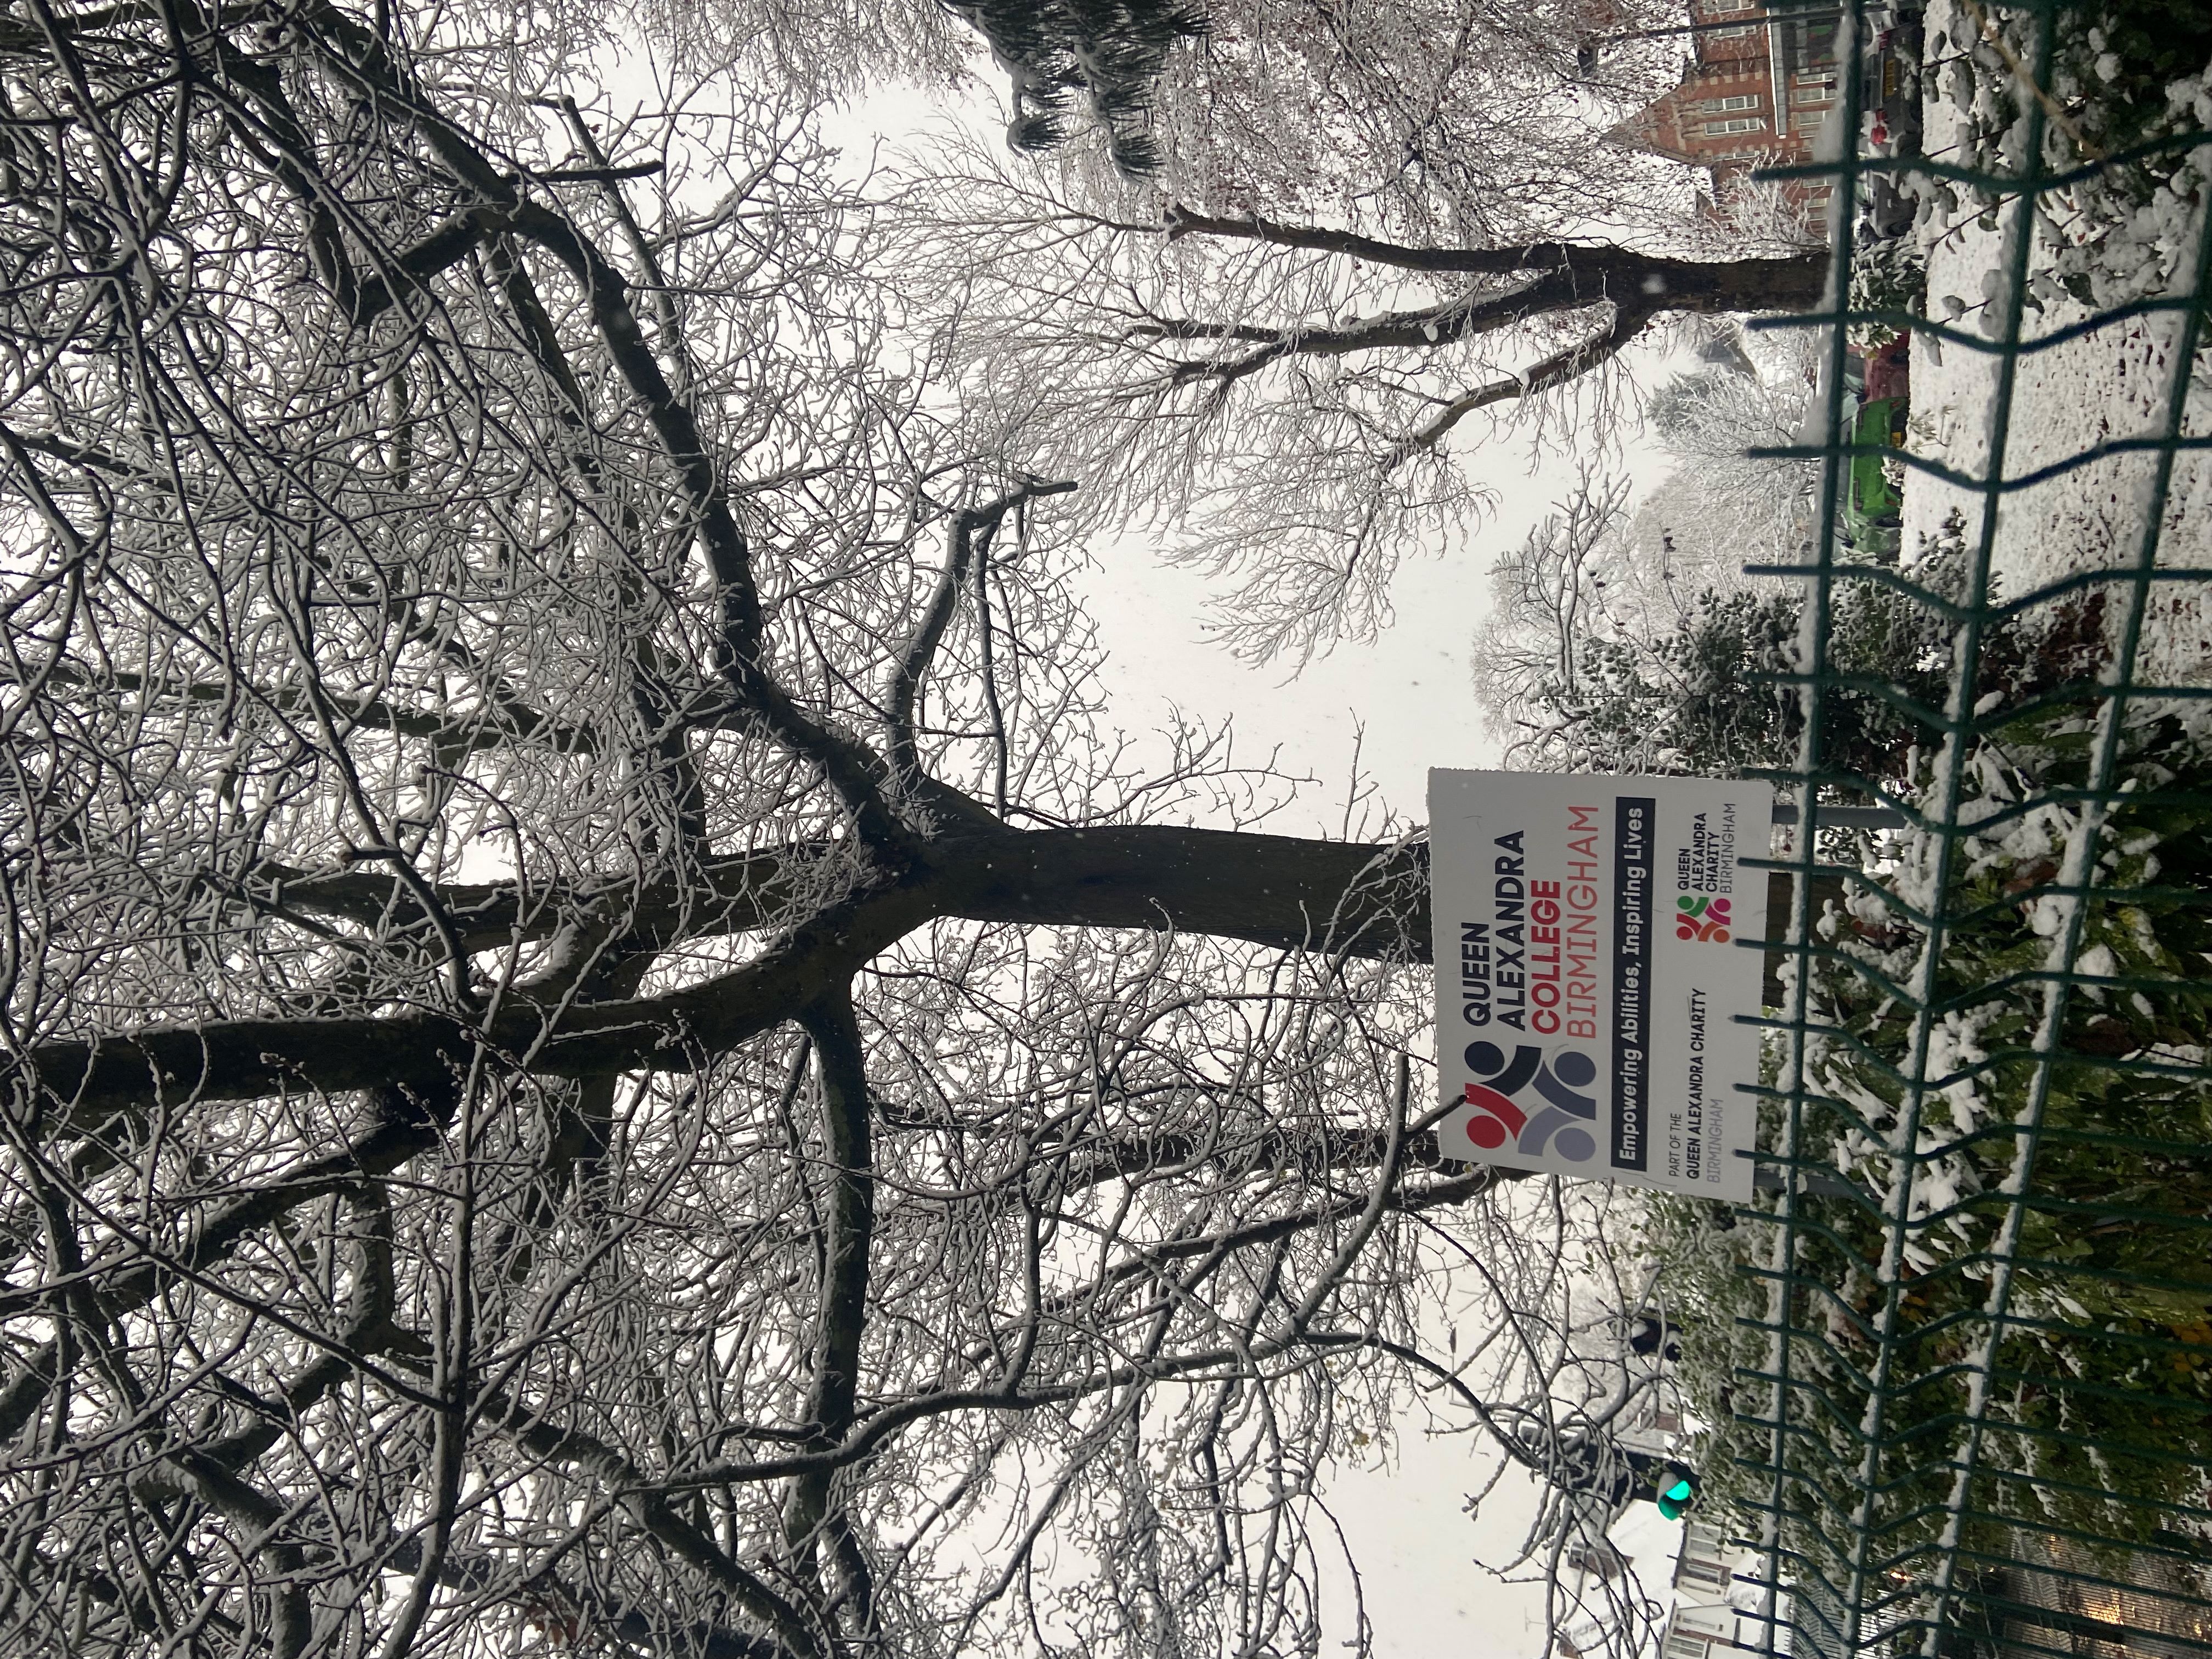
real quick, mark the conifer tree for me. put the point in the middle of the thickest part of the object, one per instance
(1110, 51)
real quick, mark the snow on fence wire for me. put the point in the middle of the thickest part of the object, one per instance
(1973, 1393)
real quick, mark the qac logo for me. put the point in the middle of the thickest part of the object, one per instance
(1554, 1120)
(1702, 918)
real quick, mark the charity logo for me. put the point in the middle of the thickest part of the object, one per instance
(1553, 1120)
(1702, 918)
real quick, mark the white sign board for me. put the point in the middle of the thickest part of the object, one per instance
(1589, 975)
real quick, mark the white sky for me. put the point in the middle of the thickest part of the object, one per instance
(1425, 1595)
(1403, 703)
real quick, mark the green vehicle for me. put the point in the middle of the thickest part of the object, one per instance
(1872, 504)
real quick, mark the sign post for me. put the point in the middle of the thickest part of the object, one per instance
(1589, 978)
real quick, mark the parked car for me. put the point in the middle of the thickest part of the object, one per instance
(1877, 389)
(1890, 95)
(1890, 91)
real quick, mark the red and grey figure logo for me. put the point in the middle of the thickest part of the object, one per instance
(1553, 1120)
(1703, 918)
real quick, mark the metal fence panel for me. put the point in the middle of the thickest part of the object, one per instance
(1974, 1397)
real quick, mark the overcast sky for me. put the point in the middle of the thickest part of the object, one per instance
(1404, 702)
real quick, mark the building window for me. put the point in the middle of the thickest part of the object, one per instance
(1712, 1574)
(1812, 94)
(1734, 30)
(1715, 8)
(1741, 124)
(1741, 100)
(1684, 1645)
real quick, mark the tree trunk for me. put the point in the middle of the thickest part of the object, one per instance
(1596, 270)
(1790, 283)
(1348, 897)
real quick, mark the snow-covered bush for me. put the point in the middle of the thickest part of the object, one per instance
(1715, 694)
(2129, 84)
(2102, 1382)
(1890, 273)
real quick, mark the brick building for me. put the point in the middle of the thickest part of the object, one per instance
(1758, 86)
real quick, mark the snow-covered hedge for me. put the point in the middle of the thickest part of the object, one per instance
(2129, 83)
(2105, 1384)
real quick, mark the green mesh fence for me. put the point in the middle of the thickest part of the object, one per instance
(1972, 1379)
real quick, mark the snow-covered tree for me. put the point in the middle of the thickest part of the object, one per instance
(1112, 52)
(1548, 599)
(604, 1049)
(1286, 398)
(1593, 660)
(1709, 683)
(1725, 506)
(1377, 238)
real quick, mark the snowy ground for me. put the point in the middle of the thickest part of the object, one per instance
(2112, 384)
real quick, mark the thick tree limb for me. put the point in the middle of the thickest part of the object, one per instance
(546, 1595)
(410, 270)
(262, 1519)
(1347, 897)
(1356, 898)
(1791, 282)
(1559, 276)
(1627, 322)
(858, 775)
(970, 529)
(840, 1319)
(642, 1497)
(120, 1288)
(1350, 897)
(733, 895)
(1400, 331)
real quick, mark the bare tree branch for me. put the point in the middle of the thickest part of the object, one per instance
(541, 1105)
